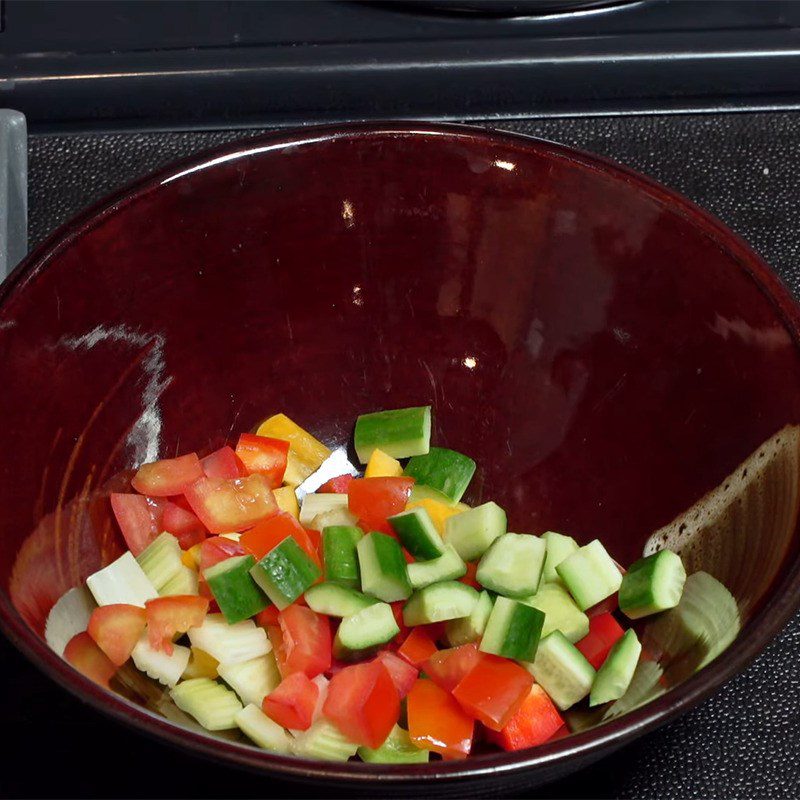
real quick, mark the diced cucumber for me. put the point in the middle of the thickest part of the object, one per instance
(230, 644)
(285, 573)
(590, 575)
(336, 601)
(364, 631)
(446, 470)
(652, 584)
(185, 581)
(644, 686)
(396, 749)
(316, 504)
(209, 702)
(256, 725)
(339, 554)
(615, 675)
(383, 568)
(340, 516)
(471, 532)
(420, 492)
(560, 612)
(471, 628)
(400, 433)
(252, 680)
(418, 534)
(161, 560)
(323, 740)
(448, 567)
(561, 670)
(512, 566)
(558, 547)
(68, 617)
(166, 669)
(122, 581)
(235, 591)
(440, 602)
(512, 630)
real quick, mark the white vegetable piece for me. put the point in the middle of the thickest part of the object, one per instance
(314, 504)
(157, 664)
(68, 617)
(122, 581)
(263, 731)
(230, 644)
(252, 680)
(185, 582)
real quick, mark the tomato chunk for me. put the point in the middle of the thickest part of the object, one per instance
(223, 463)
(372, 500)
(275, 636)
(604, 631)
(437, 722)
(363, 703)
(270, 532)
(535, 722)
(337, 485)
(269, 616)
(218, 548)
(182, 523)
(231, 505)
(402, 673)
(116, 629)
(266, 456)
(447, 668)
(418, 647)
(493, 690)
(293, 702)
(84, 654)
(306, 640)
(168, 476)
(139, 518)
(167, 616)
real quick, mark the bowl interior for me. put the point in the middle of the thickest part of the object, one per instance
(608, 354)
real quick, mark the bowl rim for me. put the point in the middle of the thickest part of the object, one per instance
(781, 604)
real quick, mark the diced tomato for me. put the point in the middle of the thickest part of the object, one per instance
(168, 476)
(224, 505)
(372, 500)
(139, 518)
(469, 578)
(604, 631)
(292, 703)
(218, 548)
(182, 523)
(167, 616)
(535, 722)
(269, 616)
(275, 636)
(265, 456)
(437, 722)
(270, 532)
(84, 654)
(418, 647)
(493, 690)
(400, 637)
(116, 629)
(402, 673)
(337, 485)
(306, 640)
(223, 463)
(447, 668)
(363, 703)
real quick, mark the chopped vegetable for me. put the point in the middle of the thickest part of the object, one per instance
(306, 641)
(418, 534)
(560, 612)
(223, 463)
(179, 520)
(397, 749)
(325, 741)
(231, 505)
(374, 500)
(471, 628)
(402, 673)
(340, 556)
(614, 677)
(337, 601)
(590, 575)
(167, 616)
(252, 680)
(361, 633)
(116, 629)
(604, 631)
(512, 630)
(447, 567)
(440, 602)
(161, 560)
(438, 511)
(437, 722)
(83, 653)
(382, 567)
(262, 730)
(337, 485)
(418, 647)
(652, 584)
(122, 581)
(209, 702)
(263, 455)
(230, 644)
(558, 547)
(445, 470)
(287, 501)
(185, 582)
(201, 665)
(139, 518)
(314, 505)
(167, 477)
(267, 534)
(512, 566)
(562, 671)
(306, 453)
(166, 668)
(534, 722)
(382, 465)
(400, 433)
(285, 573)
(292, 703)
(237, 594)
(471, 532)
(447, 668)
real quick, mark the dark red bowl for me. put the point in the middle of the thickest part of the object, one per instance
(606, 351)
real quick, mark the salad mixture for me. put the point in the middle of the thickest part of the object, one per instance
(376, 617)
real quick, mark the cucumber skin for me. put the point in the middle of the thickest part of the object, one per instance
(400, 432)
(339, 556)
(317, 600)
(397, 749)
(237, 594)
(590, 575)
(296, 571)
(447, 471)
(417, 612)
(615, 675)
(520, 632)
(356, 650)
(522, 546)
(472, 532)
(389, 563)
(419, 572)
(558, 547)
(418, 534)
(638, 590)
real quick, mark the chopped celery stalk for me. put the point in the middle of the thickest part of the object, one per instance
(68, 617)
(184, 582)
(323, 740)
(512, 566)
(315, 504)
(590, 575)
(306, 454)
(471, 532)
(418, 534)
(339, 556)
(161, 560)
(561, 670)
(382, 465)
(558, 547)
(397, 749)
(440, 602)
(448, 567)
(237, 594)
(258, 727)
(471, 628)
(122, 581)
(340, 516)
(209, 702)
(364, 631)
(383, 568)
(399, 433)
(615, 675)
(652, 584)
(252, 680)
(560, 612)
(446, 470)
(336, 601)
(166, 669)
(285, 573)
(512, 630)
(230, 644)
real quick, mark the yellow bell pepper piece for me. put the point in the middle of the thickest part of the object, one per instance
(306, 453)
(287, 500)
(191, 557)
(201, 665)
(381, 465)
(437, 510)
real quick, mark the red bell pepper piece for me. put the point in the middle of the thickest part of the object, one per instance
(84, 654)
(293, 702)
(402, 673)
(179, 520)
(167, 616)
(139, 518)
(437, 722)
(223, 463)
(270, 532)
(337, 485)
(418, 647)
(265, 456)
(116, 629)
(447, 668)
(224, 505)
(168, 476)
(604, 631)
(306, 640)
(373, 500)
(535, 722)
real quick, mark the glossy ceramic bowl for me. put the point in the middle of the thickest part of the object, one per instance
(606, 351)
